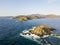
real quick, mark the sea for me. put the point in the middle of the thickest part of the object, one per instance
(10, 30)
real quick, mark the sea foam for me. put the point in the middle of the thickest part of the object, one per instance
(33, 37)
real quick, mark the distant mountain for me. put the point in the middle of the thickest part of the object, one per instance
(52, 16)
(30, 16)
(37, 16)
(34, 16)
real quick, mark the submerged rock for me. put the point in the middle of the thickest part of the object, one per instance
(42, 30)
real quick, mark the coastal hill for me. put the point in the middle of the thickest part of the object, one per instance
(31, 17)
(52, 16)
(34, 16)
(38, 16)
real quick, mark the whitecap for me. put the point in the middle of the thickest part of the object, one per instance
(33, 37)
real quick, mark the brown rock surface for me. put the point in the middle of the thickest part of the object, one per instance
(23, 19)
(42, 30)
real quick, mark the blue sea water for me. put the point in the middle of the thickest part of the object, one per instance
(10, 30)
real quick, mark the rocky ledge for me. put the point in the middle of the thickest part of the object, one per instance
(41, 31)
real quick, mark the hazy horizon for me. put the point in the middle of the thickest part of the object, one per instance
(25, 7)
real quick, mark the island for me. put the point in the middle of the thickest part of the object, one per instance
(23, 18)
(40, 31)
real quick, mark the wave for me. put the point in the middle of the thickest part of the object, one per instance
(34, 37)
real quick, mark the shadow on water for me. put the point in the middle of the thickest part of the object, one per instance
(17, 41)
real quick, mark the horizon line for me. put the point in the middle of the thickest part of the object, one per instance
(29, 14)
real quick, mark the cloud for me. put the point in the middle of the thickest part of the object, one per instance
(51, 1)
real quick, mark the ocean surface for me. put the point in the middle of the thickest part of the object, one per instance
(10, 30)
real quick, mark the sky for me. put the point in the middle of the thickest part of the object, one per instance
(24, 7)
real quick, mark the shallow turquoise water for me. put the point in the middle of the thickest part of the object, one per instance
(11, 28)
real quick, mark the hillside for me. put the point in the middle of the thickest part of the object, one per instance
(34, 16)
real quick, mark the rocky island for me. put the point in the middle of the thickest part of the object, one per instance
(41, 31)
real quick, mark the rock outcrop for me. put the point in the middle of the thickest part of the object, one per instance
(22, 19)
(42, 30)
